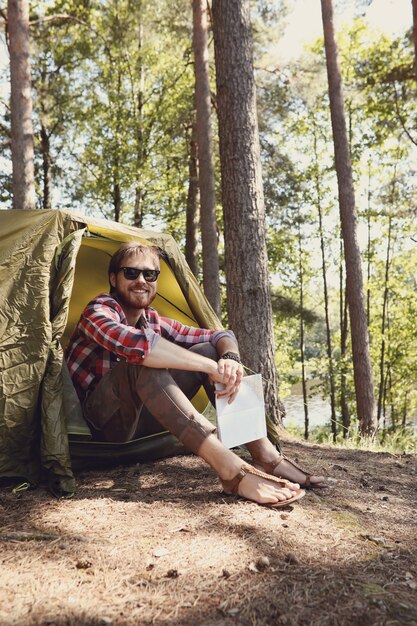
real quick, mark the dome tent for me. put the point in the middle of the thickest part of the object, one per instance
(51, 264)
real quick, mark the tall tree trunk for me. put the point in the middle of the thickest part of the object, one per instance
(192, 219)
(344, 322)
(248, 290)
(139, 192)
(116, 156)
(384, 318)
(414, 3)
(364, 388)
(330, 368)
(23, 180)
(368, 248)
(302, 344)
(211, 283)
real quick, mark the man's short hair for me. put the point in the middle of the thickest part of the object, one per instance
(127, 250)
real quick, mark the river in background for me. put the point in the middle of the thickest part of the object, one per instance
(318, 410)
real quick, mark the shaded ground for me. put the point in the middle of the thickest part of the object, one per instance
(159, 544)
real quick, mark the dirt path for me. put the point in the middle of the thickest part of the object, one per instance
(159, 544)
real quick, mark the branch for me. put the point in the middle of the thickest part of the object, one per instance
(59, 16)
(402, 122)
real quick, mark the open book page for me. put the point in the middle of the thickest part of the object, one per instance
(244, 419)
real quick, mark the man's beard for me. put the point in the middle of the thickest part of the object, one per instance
(135, 300)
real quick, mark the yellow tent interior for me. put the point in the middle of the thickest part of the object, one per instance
(90, 279)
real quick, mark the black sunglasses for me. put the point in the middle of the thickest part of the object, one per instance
(132, 273)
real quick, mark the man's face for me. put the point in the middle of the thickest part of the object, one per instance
(135, 294)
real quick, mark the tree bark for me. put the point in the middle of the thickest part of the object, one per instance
(192, 219)
(139, 192)
(117, 199)
(206, 177)
(364, 387)
(344, 322)
(23, 179)
(302, 342)
(384, 321)
(369, 249)
(248, 290)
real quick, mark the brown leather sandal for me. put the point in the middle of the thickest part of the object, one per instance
(269, 467)
(231, 486)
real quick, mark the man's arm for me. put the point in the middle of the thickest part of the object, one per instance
(227, 344)
(166, 354)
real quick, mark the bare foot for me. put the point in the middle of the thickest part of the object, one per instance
(255, 485)
(265, 491)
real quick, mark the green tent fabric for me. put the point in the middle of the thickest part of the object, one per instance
(51, 264)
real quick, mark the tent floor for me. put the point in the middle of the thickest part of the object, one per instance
(87, 454)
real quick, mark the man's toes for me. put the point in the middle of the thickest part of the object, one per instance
(295, 486)
(285, 493)
(280, 496)
(315, 480)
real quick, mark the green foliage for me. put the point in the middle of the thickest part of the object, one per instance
(398, 441)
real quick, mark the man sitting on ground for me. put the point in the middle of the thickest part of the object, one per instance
(135, 373)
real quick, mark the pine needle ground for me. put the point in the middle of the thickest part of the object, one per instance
(160, 544)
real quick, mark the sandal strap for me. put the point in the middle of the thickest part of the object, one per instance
(307, 481)
(231, 486)
(269, 467)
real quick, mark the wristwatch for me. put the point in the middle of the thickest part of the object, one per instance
(233, 356)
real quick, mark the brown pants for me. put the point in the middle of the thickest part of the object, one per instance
(133, 401)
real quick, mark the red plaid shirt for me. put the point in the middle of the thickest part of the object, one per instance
(102, 337)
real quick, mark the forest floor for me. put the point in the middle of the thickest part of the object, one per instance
(159, 543)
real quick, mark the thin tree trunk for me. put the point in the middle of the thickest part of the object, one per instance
(332, 386)
(248, 290)
(362, 369)
(302, 345)
(116, 200)
(368, 249)
(344, 321)
(46, 167)
(384, 322)
(384, 398)
(139, 193)
(192, 219)
(23, 179)
(393, 407)
(117, 149)
(404, 413)
(209, 237)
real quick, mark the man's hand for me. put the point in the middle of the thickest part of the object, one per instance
(229, 374)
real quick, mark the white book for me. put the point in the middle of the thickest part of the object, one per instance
(244, 419)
